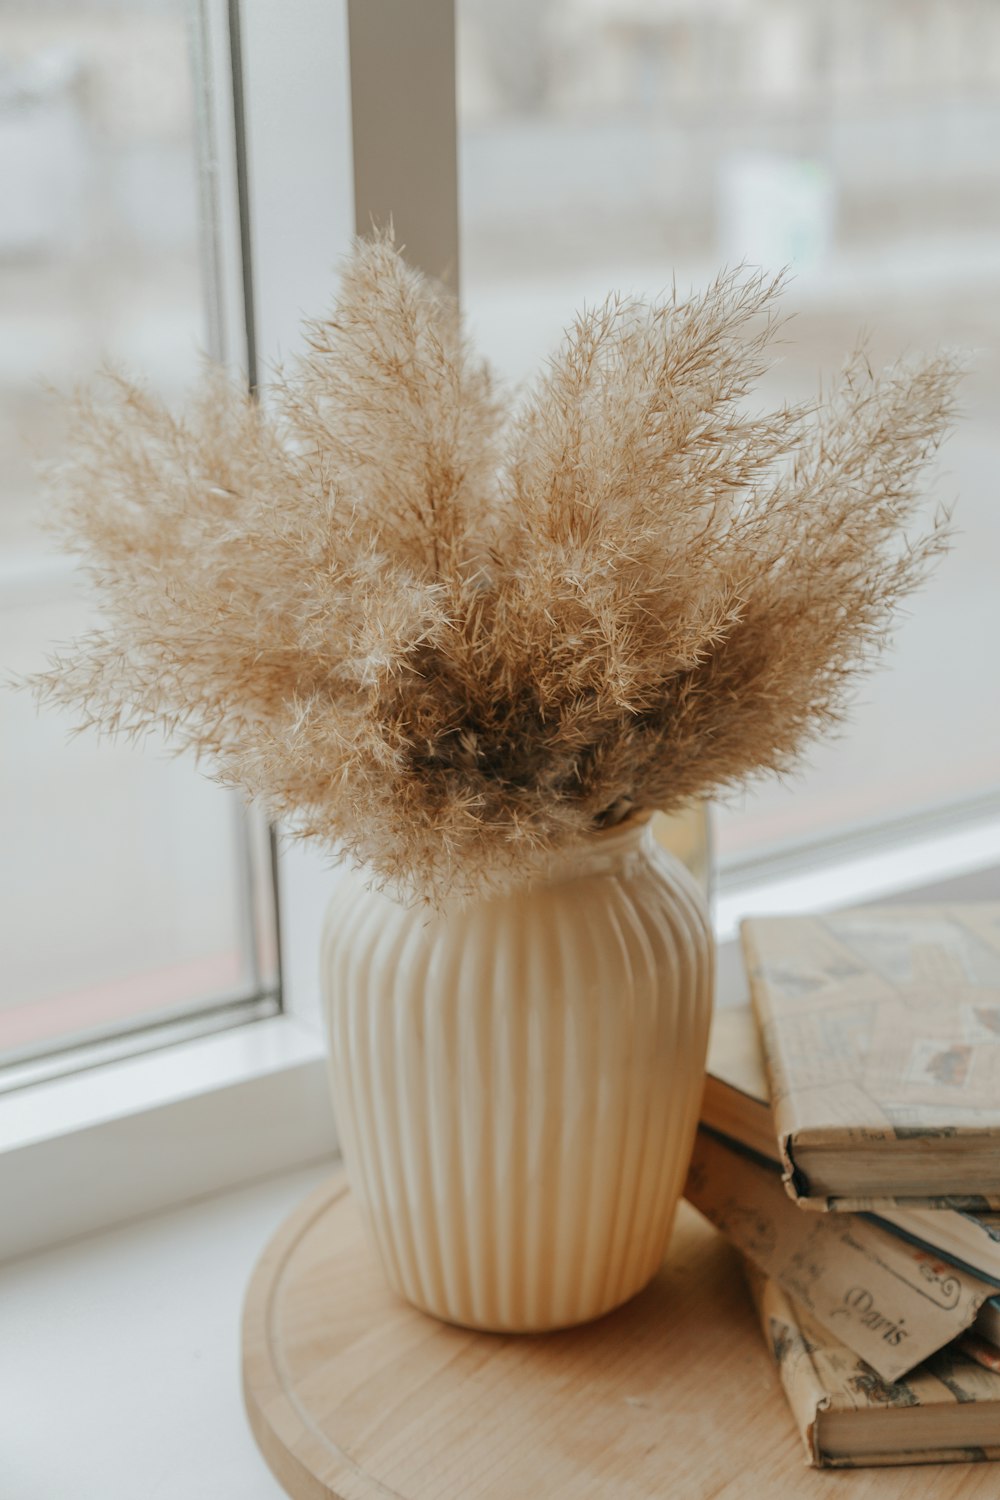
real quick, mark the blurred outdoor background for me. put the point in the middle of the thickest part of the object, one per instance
(603, 144)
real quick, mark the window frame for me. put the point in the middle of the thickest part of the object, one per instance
(115, 1135)
(134, 1134)
(226, 280)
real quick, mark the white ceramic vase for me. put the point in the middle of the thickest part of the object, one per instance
(517, 1083)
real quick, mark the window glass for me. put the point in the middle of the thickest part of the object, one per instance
(620, 145)
(123, 872)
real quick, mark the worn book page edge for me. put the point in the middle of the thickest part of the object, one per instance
(913, 1456)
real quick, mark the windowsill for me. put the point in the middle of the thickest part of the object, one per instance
(126, 1352)
(913, 862)
(85, 1151)
(91, 1149)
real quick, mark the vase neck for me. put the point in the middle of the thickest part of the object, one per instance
(604, 853)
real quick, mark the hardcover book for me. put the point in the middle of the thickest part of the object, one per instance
(890, 1302)
(880, 1030)
(946, 1410)
(735, 1105)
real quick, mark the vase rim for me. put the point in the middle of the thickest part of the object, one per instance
(597, 852)
(639, 817)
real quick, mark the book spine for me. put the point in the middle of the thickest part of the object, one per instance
(782, 1098)
(803, 1388)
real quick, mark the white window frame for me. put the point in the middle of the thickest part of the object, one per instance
(125, 1135)
(131, 1135)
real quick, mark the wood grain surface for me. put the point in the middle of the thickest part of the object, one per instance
(352, 1393)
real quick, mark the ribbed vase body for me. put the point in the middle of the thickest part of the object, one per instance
(517, 1083)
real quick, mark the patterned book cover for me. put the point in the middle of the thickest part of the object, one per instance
(736, 1105)
(891, 1302)
(947, 1410)
(880, 1031)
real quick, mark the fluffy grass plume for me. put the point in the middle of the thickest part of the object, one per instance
(441, 631)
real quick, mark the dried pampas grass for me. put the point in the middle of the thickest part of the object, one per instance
(441, 634)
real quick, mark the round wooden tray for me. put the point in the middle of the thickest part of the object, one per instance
(354, 1394)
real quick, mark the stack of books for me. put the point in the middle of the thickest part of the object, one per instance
(850, 1147)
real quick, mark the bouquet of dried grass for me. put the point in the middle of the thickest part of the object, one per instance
(439, 631)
